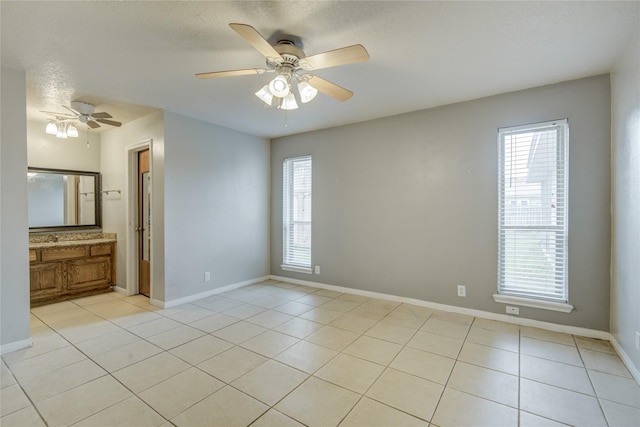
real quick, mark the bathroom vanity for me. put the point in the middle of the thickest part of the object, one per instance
(67, 266)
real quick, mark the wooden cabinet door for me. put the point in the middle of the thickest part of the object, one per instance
(89, 273)
(46, 279)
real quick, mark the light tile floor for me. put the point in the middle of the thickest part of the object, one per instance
(278, 354)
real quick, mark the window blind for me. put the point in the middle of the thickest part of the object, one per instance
(296, 211)
(532, 226)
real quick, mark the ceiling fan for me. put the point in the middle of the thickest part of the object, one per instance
(85, 113)
(291, 64)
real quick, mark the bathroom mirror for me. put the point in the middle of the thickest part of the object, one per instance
(63, 200)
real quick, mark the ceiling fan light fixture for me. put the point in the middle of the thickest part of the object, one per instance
(72, 130)
(307, 92)
(279, 86)
(62, 131)
(289, 103)
(51, 128)
(265, 95)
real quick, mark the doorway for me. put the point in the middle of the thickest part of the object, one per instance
(139, 219)
(143, 230)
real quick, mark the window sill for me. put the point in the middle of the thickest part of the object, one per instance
(297, 269)
(528, 302)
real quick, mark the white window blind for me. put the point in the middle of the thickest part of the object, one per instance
(532, 226)
(296, 212)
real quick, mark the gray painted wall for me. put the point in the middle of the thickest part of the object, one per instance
(114, 177)
(407, 205)
(216, 206)
(14, 247)
(625, 245)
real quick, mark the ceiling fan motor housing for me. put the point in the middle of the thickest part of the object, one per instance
(291, 55)
(84, 108)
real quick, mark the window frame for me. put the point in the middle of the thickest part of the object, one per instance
(290, 257)
(508, 293)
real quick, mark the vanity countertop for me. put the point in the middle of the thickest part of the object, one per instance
(55, 240)
(65, 243)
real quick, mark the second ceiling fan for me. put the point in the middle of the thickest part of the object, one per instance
(292, 67)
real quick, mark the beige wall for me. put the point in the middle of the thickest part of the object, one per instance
(625, 207)
(407, 205)
(47, 151)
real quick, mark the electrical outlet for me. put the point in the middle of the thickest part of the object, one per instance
(462, 291)
(207, 276)
(637, 340)
(513, 310)
(317, 269)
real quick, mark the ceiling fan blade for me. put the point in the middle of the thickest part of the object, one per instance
(331, 89)
(59, 114)
(345, 55)
(232, 73)
(72, 110)
(101, 116)
(92, 124)
(250, 34)
(108, 122)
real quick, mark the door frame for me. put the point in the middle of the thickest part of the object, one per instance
(131, 160)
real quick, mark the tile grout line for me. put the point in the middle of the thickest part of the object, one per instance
(444, 388)
(363, 395)
(108, 373)
(360, 334)
(595, 393)
(33, 405)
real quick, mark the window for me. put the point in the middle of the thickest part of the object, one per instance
(532, 210)
(296, 214)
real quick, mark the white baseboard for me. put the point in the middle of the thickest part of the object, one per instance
(201, 295)
(574, 330)
(14, 346)
(120, 290)
(625, 359)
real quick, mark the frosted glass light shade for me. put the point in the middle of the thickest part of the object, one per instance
(289, 103)
(62, 132)
(72, 131)
(265, 95)
(307, 92)
(279, 86)
(51, 128)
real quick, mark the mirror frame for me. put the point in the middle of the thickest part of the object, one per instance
(98, 201)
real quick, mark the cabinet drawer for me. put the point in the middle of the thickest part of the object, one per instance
(100, 250)
(54, 254)
(33, 256)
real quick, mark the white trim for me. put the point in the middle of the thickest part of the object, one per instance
(195, 297)
(131, 200)
(574, 330)
(15, 346)
(625, 359)
(121, 290)
(529, 302)
(297, 269)
(534, 126)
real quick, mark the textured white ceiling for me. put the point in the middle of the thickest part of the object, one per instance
(131, 57)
